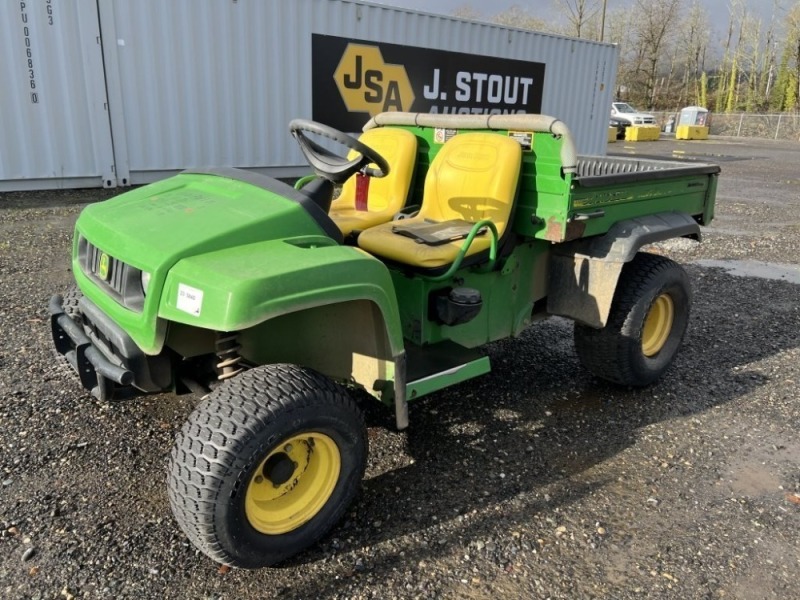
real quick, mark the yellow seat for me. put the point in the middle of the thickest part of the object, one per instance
(473, 177)
(387, 195)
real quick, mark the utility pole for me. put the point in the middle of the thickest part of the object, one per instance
(603, 21)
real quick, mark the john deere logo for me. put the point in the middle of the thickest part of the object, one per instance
(367, 84)
(102, 267)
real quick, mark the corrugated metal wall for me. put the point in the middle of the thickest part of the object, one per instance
(198, 84)
(54, 126)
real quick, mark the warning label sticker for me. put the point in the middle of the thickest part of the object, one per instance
(525, 139)
(441, 135)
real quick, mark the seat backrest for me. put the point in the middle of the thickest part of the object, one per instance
(399, 148)
(473, 177)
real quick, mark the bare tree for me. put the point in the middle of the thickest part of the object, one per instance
(653, 34)
(517, 16)
(466, 11)
(747, 57)
(620, 31)
(722, 79)
(687, 59)
(769, 61)
(790, 61)
(666, 59)
(580, 13)
(693, 44)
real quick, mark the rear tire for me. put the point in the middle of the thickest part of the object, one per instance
(645, 327)
(266, 465)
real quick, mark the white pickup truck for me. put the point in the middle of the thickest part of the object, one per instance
(625, 112)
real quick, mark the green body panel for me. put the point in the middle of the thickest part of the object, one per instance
(143, 327)
(508, 294)
(434, 383)
(245, 285)
(544, 189)
(154, 227)
(620, 202)
(187, 215)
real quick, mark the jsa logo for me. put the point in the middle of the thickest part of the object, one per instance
(367, 84)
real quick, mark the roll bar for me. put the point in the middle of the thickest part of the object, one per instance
(514, 122)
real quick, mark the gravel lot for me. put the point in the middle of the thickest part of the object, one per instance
(536, 481)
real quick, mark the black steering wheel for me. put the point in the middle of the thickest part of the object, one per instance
(336, 169)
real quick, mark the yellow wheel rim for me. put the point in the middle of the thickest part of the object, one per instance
(657, 325)
(293, 483)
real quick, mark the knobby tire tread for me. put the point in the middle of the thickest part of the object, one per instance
(208, 445)
(606, 352)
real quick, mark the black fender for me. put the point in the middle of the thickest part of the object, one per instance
(583, 274)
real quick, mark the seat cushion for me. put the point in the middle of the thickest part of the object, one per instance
(386, 243)
(387, 195)
(473, 177)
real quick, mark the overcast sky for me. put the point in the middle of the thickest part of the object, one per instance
(718, 10)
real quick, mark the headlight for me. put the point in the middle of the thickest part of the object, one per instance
(145, 281)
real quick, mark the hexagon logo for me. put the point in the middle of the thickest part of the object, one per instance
(367, 84)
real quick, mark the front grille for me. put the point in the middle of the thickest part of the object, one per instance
(116, 270)
(121, 281)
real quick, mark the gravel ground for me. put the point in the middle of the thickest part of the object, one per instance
(536, 481)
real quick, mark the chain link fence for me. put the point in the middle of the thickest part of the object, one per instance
(778, 126)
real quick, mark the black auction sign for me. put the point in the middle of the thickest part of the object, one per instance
(354, 80)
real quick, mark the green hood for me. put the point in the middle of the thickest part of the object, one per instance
(155, 226)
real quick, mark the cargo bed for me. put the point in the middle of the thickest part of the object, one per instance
(595, 171)
(605, 190)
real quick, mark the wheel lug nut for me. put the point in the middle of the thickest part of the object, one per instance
(259, 479)
(287, 448)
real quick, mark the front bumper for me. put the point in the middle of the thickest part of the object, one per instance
(107, 361)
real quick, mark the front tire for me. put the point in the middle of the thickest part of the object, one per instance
(645, 326)
(70, 302)
(266, 465)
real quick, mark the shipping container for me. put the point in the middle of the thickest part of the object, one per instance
(187, 84)
(54, 125)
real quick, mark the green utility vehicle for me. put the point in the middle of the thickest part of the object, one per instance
(274, 302)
